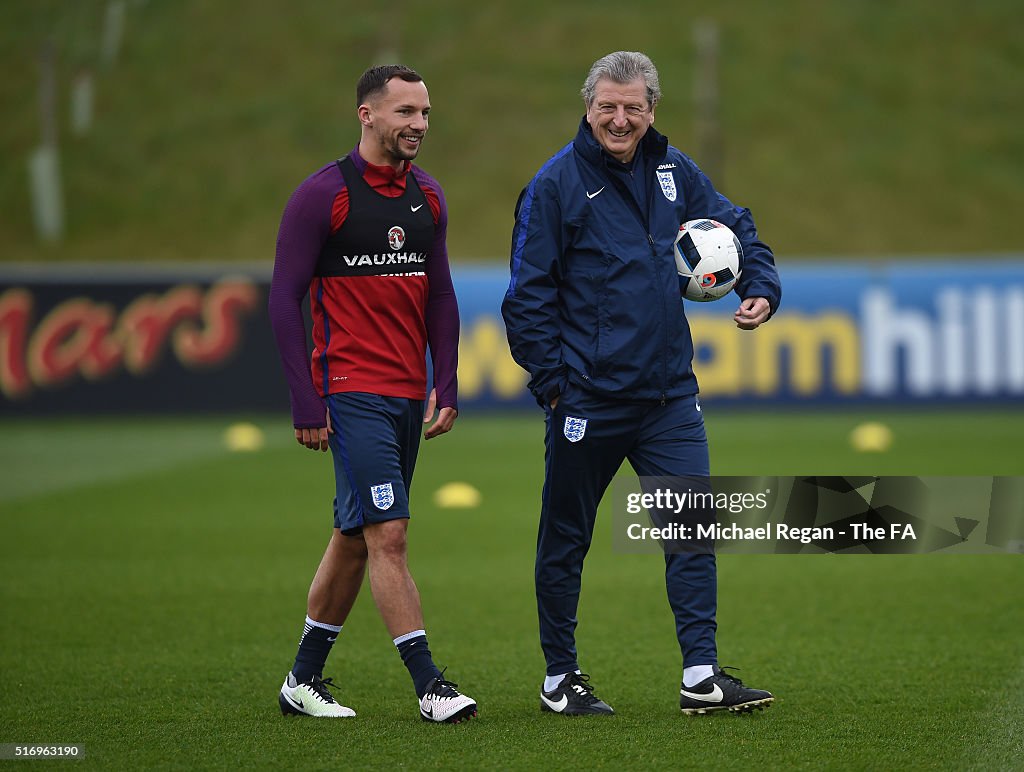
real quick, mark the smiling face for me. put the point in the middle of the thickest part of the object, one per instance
(619, 116)
(394, 123)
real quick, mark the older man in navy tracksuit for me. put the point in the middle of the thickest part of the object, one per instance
(593, 312)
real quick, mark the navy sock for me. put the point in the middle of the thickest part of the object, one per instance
(314, 646)
(416, 656)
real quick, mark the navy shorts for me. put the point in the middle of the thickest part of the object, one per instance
(374, 444)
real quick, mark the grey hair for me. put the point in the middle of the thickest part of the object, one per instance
(623, 67)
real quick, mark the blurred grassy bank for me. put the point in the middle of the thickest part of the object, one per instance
(849, 128)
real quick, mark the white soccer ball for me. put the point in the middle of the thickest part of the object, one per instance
(708, 257)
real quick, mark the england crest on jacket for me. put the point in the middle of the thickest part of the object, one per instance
(574, 428)
(667, 181)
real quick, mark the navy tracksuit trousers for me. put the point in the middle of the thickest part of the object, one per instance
(658, 441)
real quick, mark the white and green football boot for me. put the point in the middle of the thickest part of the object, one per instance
(310, 698)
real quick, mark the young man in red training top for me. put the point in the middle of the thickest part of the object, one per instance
(365, 237)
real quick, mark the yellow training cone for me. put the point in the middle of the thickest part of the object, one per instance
(871, 437)
(243, 437)
(457, 495)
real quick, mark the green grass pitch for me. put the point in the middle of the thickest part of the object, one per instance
(153, 588)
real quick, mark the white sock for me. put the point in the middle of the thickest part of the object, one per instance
(551, 682)
(410, 636)
(311, 623)
(694, 675)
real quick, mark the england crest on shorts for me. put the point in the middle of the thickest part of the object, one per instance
(574, 428)
(668, 185)
(383, 495)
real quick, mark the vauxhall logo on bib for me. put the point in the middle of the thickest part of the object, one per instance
(396, 237)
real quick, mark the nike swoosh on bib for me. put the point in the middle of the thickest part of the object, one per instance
(559, 706)
(715, 695)
(416, 208)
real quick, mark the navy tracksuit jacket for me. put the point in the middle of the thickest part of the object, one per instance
(593, 312)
